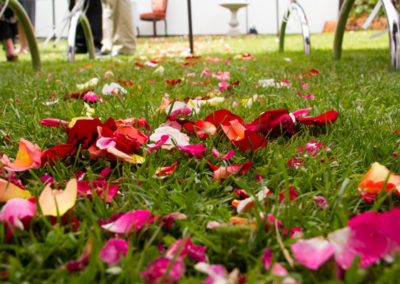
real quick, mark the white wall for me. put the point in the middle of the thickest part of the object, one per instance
(208, 16)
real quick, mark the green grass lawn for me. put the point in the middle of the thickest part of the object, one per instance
(362, 87)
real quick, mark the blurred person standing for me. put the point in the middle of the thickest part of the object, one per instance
(30, 8)
(8, 32)
(93, 11)
(118, 28)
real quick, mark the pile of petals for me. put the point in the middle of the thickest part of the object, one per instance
(113, 139)
(252, 136)
(371, 236)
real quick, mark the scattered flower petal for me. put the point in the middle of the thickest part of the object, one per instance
(113, 250)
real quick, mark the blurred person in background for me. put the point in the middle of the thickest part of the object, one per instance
(119, 36)
(30, 8)
(8, 32)
(93, 10)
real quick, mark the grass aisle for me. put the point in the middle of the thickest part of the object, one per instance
(309, 177)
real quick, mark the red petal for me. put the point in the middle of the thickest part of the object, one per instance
(54, 122)
(222, 116)
(251, 141)
(328, 117)
(57, 152)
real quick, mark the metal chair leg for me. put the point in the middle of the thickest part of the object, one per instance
(296, 7)
(341, 26)
(82, 19)
(392, 16)
(166, 28)
(154, 28)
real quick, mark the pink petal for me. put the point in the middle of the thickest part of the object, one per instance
(321, 202)
(81, 263)
(105, 143)
(223, 86)
(301, 112)
(105, 172)
(186, 248)
(344, 253)
(304, 85)
(206, 72)
(168, 220)
(157, 269)
(180, 113)
(158, 144)
(267, 258)
(222, 76)
(216, 273)
(312, 253)
(279, 270)
(113, 250)
(194, 150)
(389, 225)
(47, 179)
(366, 238)
(129, 222)
(17, 211)
(54, 122)
(91, 97)
(221, 173)
(309, 97)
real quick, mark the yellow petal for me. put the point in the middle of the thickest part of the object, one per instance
(9, 191)
(138, 159)
(58, 202)
(75, 119)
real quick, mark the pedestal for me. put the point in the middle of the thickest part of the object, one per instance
(234, 22)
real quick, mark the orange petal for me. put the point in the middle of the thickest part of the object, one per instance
(235, 131)
(28, 157)
(58, 202)
(376, 177)
(133, 159)
(239, 221)
(9, 191)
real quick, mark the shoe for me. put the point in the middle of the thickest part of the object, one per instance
(80, 50)
(104, 51)
(12, 58)
(253, 31)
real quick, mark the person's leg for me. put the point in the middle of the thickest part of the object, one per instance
(23, 42)
(108, 27)
(30, 8)
(10, 50)
(8, 32)
(124, 41)
(94, 14)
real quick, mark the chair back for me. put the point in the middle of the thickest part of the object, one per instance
(159, 6)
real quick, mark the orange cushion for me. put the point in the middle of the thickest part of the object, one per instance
(152, 16)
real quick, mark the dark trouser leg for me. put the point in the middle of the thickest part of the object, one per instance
(94, 14)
